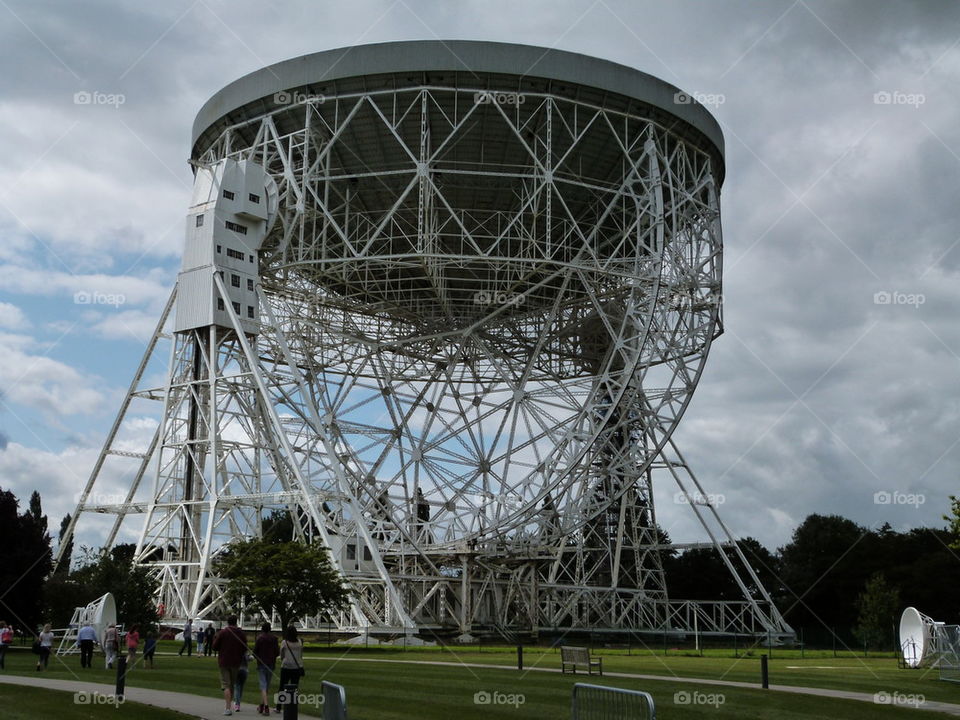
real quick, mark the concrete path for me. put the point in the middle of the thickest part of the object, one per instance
(193, 706)
(948, 708)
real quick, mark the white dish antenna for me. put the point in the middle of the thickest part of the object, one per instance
(919, 638)
(100, 614)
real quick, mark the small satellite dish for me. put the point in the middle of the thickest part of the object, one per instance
(914, 636)
(923, 640)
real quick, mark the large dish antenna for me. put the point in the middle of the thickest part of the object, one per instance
(100, 613)
(919, 635)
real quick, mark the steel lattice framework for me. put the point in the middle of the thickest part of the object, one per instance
(483, 307)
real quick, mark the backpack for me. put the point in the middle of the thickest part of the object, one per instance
(6, 636)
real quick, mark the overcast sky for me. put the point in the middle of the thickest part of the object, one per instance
(843, 179)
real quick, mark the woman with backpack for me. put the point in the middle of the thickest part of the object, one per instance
(291, 662)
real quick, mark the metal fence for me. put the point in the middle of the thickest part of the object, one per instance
(334, 701)
(948, 645)
(596, 702)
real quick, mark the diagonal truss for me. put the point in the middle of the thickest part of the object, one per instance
(479, 324)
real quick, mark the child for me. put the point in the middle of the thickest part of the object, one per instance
(149, 647)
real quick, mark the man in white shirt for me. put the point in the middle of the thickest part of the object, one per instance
(86, 639)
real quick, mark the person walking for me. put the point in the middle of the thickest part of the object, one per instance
(46, 646)
(149, 648)
(266, 649)
(6, 640)
(291, 662)
(86, 639)
(208, 640)
(111, 645)
(231, 646)
(133, 642)
(187, 639)
(242, 673)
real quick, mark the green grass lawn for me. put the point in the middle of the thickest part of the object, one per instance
(26, 703)
(857, 674)
(391, 691)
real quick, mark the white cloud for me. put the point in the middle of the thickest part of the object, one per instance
(12, 317)
(92, 289)
(125, 324)
(60, 477)
(39, 382)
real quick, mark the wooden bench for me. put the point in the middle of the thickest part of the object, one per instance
(579, 657)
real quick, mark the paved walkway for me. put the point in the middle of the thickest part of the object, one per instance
(193, 706)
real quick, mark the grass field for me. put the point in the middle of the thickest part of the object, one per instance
(855, 674)
(26, 703)
(379, 690)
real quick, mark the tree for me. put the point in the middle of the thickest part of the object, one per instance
(700, 574)
(765, 564)
(278, 526)
(64, 567)
(878, 606)
(909, 561)
(953, 520)
(290, 578)
(134, 588)
(26, 560)
(36, 510)
(825, 566)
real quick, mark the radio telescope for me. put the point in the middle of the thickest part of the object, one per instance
(444, 303)
(99, 614)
